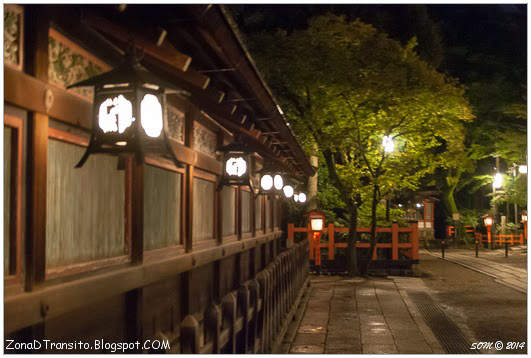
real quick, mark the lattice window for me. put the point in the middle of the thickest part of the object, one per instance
(205, 140)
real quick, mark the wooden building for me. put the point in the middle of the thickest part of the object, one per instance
(152, 250)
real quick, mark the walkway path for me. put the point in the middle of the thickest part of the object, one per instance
(489, 264)
(362, 316)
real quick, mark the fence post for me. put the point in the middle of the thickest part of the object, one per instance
(190, 335)
(310, 241)
(291, 235)
(414, 237)
(228, 305)
(331, 244)
(521, 239)
(394, 241)
(213, 322)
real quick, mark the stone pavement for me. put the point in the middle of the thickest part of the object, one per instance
(359, 315)
(489, 264)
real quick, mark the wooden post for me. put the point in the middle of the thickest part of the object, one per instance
(331, 242)
(394, 240)
(229, 312)
(189, 200)
(213, 323)
(414, 235)
(291, 236)
(310, 242)
(190, 335)
(521, 239)
(37, 23)
(137, 208)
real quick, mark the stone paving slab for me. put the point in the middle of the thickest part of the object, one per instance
(507, 275)
(353, 316)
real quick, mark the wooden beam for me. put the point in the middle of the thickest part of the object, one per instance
(164, 53)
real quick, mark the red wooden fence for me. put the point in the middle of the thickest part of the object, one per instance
(314, 239)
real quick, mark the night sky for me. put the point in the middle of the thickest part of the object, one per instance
(466, 41)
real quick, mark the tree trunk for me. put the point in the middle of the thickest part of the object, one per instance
(374, 204)
(352, 252)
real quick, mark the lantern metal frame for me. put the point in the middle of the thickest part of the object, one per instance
(132, 81)
(237, 149)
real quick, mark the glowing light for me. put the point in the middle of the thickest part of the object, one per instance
(524, 217)
(316, 224)
(236, 166)
(288, 191)
(400, 205)
(388, 144)
(115, 114)
(266, 182)
(498, 181)
(522, 169)
(302, 197)
(121, 143)
(488, 220)
(151, 115)
(279, 182)
(296, 198)
(419, 205)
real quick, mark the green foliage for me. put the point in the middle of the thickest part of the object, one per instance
(344, 85)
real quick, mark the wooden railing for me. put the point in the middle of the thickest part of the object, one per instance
(253, 318)
(468, 230)
(316, 242)
(501, 239)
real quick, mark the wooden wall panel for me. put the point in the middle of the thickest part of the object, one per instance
(276, 214)
(244, 266)
(8, 132)
(162, 207)
(268, 212)
(228, 206)
(227, 275)
(102, 320)
(246, 211)
(162, 308)
(85, 207)
(201, 288)
(258, 212)
(203, 209)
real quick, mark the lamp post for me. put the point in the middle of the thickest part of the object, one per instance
(524, 221)
(488, 220)
(316, 220)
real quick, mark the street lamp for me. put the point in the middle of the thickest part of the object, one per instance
(129, 112)
(498, 181)
(316, 219)
(488, 220)
(388, 144)
(522, 169)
